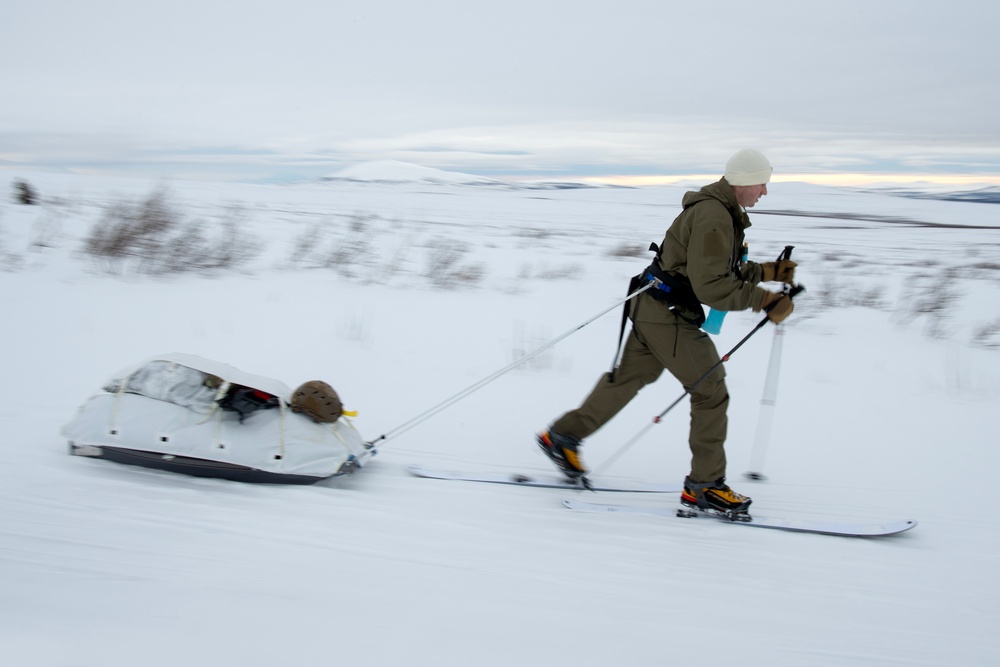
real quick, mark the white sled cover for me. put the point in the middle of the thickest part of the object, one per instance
(170, 405)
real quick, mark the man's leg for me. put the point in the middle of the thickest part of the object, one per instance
(687, 352)
(638, 367)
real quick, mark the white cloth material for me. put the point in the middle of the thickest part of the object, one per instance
(166, 408)
(168, 381)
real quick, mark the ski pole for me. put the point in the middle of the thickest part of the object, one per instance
(768, 399)
(427, 414)
(658, 418)
(767, 403)
(764, 320)
(687, 390)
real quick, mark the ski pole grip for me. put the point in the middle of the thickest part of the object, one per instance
(790, 290)
(787, 254)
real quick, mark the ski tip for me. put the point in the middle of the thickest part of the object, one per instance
(755, 476)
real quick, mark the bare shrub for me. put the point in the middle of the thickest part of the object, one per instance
(987, 335)
(533, 233)
(354, 249)
(842, 293)
(191, 249)
(871, 297)
(469, 275)
(562, 272)
(152, 238)
(986, 270)
(931, 297)
(628, 250)
(306, 247)
(444, 267)
(234, 246)
(24, 193)
(346, 250)
(131, 232)
(394, 264)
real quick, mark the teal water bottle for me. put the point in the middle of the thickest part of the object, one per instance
(713, 323)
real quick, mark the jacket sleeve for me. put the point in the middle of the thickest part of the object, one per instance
(752, 272)
(710, 262)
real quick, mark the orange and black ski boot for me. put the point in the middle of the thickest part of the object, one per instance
(564, 451)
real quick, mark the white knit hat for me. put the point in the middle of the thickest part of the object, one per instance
(748, 167)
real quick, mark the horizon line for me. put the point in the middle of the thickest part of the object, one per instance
(847, 179)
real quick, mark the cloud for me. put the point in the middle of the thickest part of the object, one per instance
(516, 87)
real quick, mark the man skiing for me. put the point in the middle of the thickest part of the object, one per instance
(699, 262)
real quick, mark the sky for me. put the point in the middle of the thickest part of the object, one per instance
(637, 91)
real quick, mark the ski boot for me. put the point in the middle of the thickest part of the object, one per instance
(564, 451)
(713, 498)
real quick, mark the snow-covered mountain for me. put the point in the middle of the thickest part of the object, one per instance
(388, 172)
(396, 171)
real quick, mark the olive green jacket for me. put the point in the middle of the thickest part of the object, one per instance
(704, 244)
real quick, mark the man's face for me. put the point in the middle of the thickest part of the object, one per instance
(748, 195)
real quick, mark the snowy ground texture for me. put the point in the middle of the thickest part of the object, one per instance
(883, 412)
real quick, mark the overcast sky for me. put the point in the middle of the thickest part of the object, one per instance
(252, 90)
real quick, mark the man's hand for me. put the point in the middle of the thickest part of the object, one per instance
(782, 271)
(777, 306)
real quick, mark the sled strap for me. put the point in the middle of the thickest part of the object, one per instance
(281, 428)
(218, 426)
(219, 393)
(336, 433)
(118, 397)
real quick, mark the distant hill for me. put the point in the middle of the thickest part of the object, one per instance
(982, 195)
(394, 171)
(398, 172)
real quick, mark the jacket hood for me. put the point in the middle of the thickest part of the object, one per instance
(722, 192)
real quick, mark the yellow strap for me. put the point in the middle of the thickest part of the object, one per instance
(351, 413)
(118, 398)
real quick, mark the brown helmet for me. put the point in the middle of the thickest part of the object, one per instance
(318, 401)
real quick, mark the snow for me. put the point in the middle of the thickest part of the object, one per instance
(881, 414)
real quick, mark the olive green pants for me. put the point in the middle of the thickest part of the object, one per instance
(688, 353)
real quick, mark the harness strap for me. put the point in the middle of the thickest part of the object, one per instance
(672, 290)
(633, 285)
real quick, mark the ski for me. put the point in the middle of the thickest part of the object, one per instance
(847, 529)
(548, 481)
